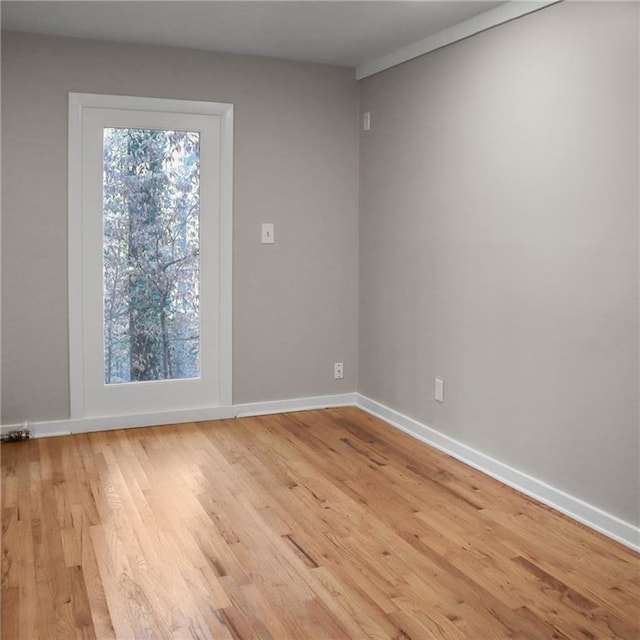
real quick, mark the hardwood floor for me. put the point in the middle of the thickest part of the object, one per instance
(323, 525)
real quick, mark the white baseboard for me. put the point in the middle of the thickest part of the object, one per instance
(86, 425)
(593, 517)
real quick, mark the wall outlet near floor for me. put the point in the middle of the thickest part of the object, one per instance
(439, 390)
(338, 371)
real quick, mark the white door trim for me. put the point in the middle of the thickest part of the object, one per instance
(77, 103)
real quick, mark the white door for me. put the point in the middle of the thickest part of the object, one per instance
(149, 255)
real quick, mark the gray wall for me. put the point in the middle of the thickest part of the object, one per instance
(296, 163)
(499, 246)
(498, 232)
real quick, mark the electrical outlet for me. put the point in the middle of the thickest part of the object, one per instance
(366, 121)
(439, 390)
(338, 371)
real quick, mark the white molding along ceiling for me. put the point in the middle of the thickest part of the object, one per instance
(477, 24)
(367, 35)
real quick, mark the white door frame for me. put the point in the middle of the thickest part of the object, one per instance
(81, 104)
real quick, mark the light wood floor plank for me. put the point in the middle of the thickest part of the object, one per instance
(318, 525)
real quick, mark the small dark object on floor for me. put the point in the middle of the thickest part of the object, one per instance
(16, 436)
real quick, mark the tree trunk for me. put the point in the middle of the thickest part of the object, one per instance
(144, 311)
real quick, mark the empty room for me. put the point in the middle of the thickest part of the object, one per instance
(320, 320)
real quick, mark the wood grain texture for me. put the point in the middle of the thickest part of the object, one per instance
(322, 525)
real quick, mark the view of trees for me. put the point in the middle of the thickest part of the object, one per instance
(151, 209)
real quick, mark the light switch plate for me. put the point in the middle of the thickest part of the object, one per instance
(268, 233)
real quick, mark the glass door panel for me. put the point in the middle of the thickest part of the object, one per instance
(151, 244)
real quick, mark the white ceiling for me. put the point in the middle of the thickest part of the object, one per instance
(335, 32)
